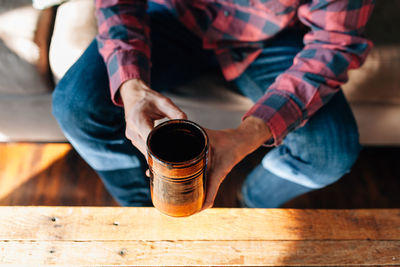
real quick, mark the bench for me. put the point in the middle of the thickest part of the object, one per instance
(114, 236)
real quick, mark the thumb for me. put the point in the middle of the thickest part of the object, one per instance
(213, 184)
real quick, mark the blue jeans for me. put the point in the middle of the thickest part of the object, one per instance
(310, 157)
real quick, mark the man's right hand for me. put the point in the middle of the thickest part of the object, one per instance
(142, 107)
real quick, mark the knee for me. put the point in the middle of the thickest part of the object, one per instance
(65, 108)
(84, 86)
(59, 104)
(84, 111)
(314, 164)
(332, 164)
(336, 141)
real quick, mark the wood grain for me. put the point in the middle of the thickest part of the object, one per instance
(189, 253)
(48, 174)
(68, 180)
(94, 223)
(94, 236)
(19, 162)
(53, 174)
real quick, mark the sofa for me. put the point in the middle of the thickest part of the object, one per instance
(39, 43)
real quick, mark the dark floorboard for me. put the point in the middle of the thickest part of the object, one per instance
(374, 182)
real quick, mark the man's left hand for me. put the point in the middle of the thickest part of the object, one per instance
(228, 148)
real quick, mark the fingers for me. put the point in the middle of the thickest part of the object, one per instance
(143, 106)
(221, 161)
(142, 117)
(136, 140)
(212, 189)
(213, 181)
(144, 124)
(155, 108)
(169, 109)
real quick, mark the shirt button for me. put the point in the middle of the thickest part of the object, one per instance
(226, 13)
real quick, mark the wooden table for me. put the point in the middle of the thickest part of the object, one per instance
(89, 236)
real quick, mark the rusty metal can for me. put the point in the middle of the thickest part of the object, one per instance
(177, 157)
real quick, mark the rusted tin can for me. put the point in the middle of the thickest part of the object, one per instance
(177, 158)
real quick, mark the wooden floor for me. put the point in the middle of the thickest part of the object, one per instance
(55, 175)
(115, 236)
(48, 174)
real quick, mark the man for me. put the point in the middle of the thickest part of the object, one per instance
(289, 56)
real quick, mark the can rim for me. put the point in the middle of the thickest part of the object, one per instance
(178, 164)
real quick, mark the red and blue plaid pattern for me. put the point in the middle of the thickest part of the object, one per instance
(333, 45)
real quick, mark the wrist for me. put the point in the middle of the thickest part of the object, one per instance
(252, 133)
(132, 91)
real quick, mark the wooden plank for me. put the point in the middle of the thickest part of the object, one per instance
(19, 162)
(69, 181)
(95, 223)
(187, 253)
(48, 174)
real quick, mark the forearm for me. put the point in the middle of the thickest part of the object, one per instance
(124, 41)
(334, 45)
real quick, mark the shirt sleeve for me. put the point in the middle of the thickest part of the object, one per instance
(124, 41)
(334, 45)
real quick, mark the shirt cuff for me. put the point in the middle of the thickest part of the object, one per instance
(123, 66)
(280, 112)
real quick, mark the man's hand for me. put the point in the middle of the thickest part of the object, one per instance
(228, 148)
(142, 107)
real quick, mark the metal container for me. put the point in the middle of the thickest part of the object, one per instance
(177, 157)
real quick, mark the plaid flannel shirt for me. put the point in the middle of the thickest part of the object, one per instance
(333, 45)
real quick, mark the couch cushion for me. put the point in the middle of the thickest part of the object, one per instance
(19, 53)
(211, 102)
(378, 80)
(378, 124)
(43, 4)
(28, 119)
(74, 29)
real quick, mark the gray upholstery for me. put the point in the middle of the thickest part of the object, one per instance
(19, 52)
(28, 118)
